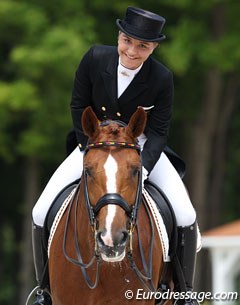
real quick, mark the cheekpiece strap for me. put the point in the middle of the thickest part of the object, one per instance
(113, 143)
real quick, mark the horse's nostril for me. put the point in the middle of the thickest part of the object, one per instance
(118, 238)
(100, 234)
(121, 238)
(125, 236)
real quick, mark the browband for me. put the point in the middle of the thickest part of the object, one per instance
(113, 143)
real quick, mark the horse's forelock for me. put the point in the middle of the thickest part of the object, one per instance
(112, 129)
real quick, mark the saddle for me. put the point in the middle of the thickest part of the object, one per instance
(166, 211)
(163, 206)
(56, 205)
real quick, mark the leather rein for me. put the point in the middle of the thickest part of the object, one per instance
(131, 211)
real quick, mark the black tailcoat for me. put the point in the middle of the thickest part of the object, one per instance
(95, 85)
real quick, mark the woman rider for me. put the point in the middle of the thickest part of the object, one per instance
(115, 81)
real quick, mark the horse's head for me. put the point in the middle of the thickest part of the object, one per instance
(112, 180)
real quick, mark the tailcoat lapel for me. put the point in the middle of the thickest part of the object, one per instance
(110, 81)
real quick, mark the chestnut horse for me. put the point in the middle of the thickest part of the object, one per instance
(106, 247)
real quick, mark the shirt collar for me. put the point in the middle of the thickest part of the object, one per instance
(125, 72)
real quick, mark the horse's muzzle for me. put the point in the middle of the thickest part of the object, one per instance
(112, 249)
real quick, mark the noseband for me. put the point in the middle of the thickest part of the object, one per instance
(131, 211)
(113, 198)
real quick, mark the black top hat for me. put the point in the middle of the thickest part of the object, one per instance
(142, 25)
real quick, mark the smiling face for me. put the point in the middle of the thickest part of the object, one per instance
(133, 52)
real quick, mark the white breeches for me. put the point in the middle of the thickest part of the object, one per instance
(163, 174)
(69, 171)
(169, 181)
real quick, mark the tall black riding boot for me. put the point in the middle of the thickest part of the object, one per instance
(41, 266)
(186, 254)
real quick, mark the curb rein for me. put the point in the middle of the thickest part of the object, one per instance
(131, 211)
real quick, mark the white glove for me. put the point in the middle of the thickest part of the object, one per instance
(144, 175)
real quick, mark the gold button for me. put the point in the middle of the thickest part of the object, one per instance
(80, 145)
(103, 108)
(118, 114)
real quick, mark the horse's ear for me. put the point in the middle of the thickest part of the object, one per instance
(137, 123)
(90, 124)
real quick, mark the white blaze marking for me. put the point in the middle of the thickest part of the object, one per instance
(111, 168)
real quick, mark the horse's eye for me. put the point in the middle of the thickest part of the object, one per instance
(135, 171)
(88, 171)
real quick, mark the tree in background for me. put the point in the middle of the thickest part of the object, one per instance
(207, 66)
(203, 50)
(42, 48)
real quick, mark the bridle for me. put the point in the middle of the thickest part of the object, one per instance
(131, 212)
(113, 198)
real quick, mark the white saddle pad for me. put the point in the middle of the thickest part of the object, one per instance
(162, 232)
(58, 218)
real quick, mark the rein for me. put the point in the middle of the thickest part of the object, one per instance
(131, 211)
(147, 277)
(79, 262)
